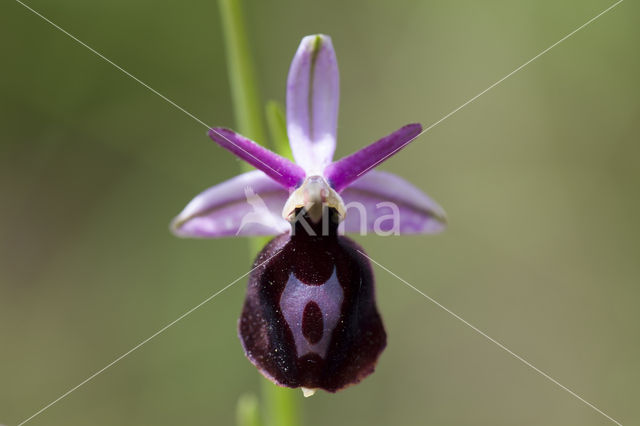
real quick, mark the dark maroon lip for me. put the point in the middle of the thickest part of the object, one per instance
(310, 318)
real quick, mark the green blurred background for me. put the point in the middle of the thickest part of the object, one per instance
(539, 177)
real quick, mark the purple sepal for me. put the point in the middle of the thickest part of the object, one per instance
(246, 205)
(313, 95)
(382, 202)
(343, 172)
(278, 168)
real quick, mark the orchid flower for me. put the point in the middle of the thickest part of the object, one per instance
(310, 318)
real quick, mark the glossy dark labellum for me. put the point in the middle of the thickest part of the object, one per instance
(310, 318)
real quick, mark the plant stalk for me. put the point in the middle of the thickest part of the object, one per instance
(279, 405)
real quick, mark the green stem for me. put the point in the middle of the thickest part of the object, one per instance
(280, 404)
(244, 87)
(277, 124)
(247, 413)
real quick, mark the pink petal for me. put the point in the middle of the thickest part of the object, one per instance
(246, 205)
(417, 213)
(346, 170)
(313, 93)
(273, 165)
